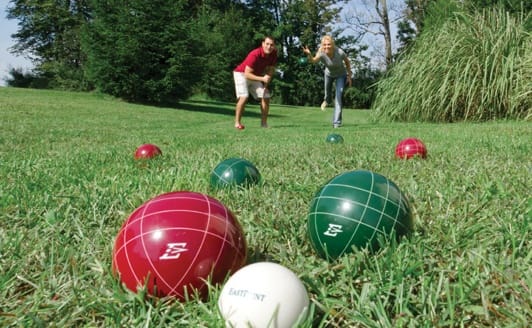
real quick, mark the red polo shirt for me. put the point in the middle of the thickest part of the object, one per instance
(258, 61)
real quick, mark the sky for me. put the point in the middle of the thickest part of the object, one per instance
(7, 60)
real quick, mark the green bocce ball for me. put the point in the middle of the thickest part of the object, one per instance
(303, 60)
(334, 138)
(352, 210)
(234, 172)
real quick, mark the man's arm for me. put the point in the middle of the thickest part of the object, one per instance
(250, 75)
(270, 70)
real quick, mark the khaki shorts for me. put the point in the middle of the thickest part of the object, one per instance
(245, 87)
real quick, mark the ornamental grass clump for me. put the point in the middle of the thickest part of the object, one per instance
(476, 67)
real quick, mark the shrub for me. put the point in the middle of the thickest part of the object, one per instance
(476, 67)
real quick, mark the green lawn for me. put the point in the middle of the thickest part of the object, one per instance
(68, 181)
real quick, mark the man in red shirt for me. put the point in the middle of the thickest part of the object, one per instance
(252, 76)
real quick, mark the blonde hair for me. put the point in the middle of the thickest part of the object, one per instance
(327, 38)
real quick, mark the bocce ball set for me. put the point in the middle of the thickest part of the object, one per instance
(176, 243)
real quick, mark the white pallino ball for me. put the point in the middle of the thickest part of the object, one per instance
(263, 295)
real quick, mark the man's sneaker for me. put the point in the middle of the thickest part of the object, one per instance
(337, 125)
(239, 126)
(323, 105)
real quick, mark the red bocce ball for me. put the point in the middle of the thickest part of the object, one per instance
(177, 242)
(147, 151)
(410, 147)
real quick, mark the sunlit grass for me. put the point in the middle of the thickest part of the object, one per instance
(68, 181)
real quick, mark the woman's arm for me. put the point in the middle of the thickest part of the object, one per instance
(348, 69)
(312, 59)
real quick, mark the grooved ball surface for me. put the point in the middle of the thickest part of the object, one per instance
(175, 242)
(354, 209)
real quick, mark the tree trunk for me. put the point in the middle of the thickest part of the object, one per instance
(382, 9)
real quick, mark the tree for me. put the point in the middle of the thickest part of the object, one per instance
(140, 50)
(49, 35)
(222, 44)
(157, 51)
(412, 23)
(382, 10)
(375, 17)
(293, 23)
(22, 79)
(298, 23)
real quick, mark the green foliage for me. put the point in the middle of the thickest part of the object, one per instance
(363, 90)
(140, 50)
(49, 33)
(21, 79)
(432, 14)
(265, 15)
(69, 181)
(412, 23)
(476, 67)
(301, 23)
(439, 12)
(511, 6)
(160, 51)
(221, 45)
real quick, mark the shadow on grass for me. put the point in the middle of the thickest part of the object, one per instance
(217, 107)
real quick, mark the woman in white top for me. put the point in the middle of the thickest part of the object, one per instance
(337, 69)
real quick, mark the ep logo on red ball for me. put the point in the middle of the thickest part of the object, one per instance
(173, 251)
